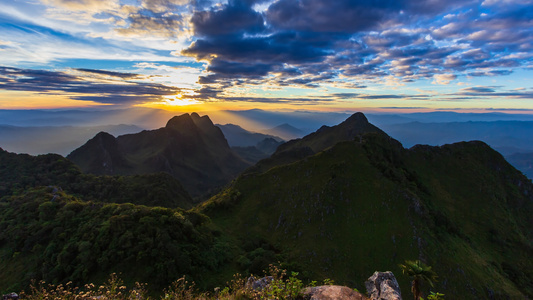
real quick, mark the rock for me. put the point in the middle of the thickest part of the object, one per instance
(259, 284)
(12, 296)
(331, 292)
(383, 286)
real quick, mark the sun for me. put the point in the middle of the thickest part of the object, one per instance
(178, 100)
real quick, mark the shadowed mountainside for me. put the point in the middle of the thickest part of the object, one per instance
(339, 203)
(325, 137)
(240, 137)
(189, 147)
(350, 200)
(20, 172)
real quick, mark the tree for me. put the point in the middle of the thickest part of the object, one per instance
(419, 272)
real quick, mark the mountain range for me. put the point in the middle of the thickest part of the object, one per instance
(62, 140)
(189, 147)
(31, 131)
(348, 199)
(339, 203)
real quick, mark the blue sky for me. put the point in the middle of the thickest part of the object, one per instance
(410, 55)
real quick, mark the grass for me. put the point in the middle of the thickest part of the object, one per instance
(280, 286)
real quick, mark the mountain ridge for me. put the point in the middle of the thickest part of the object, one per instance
(364, 203)
(189, 147)
(339, 203)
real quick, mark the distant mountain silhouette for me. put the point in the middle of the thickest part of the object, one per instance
(189, 147)
(523, 162)
(240, 137)
(286, 131)
(261, 150)
(62, 140)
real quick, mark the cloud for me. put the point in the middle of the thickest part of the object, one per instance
(492, 91)
(479, 89)
(148, 23)
(120, 91)
(326, 41)
(234, 18)
(329, 16)
(443, 78)
(84, 5)
(110, 73)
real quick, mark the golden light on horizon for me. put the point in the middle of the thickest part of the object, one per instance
(179, 100)
(34, 100)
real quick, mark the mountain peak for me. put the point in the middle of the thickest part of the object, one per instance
(177, 122)
(357, 117)
(325, 137)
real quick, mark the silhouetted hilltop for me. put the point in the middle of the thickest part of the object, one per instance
(352, 128)
(189, 147)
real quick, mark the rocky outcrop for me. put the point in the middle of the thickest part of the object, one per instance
(383, 286)
(331, 292)
(258, 284)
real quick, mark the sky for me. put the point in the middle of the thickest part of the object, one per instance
(323, 55)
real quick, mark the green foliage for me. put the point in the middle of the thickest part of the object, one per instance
(113, 289)
(64, 239)
(280, 287)
(419, 272)
(369, 201)
(435, 296)
(20, 172)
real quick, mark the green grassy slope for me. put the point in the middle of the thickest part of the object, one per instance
(368, 204)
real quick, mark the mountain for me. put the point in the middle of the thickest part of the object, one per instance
(54, 139)
(286, 131)
(340, 203)
(323, 138)
(260, 151)
(189, 147)
(240, 137)
(251, 146)
(20, 172)
(49, 234)
(523, 162)
(509, 136)
(348, 200)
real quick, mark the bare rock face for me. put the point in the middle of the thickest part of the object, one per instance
(383, 286)
(331, 292)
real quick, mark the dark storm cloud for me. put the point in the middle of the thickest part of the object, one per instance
(309, 42)
(121, 92)
(278, 49)
(236, 17)
(223, 67)
(330, 16)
